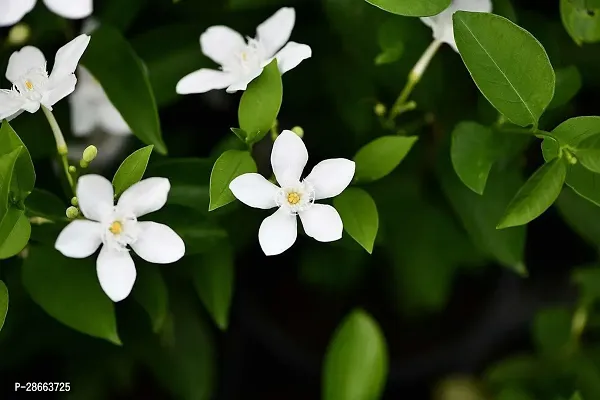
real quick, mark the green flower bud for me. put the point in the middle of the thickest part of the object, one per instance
(83, 164)
(72, 169)
(72, 212)
(298, 131)
(89, 154)
(380, 109)
(74, 202)
(19, 34)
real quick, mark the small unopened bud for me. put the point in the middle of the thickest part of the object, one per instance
(298, 131)
(570, 157)
(380, 109)
(63, 150)
(89, 154)
(19, 34)
(72, 212)
(83, 164)
(74, 202)
(72, 169)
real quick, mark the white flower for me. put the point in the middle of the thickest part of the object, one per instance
(242, 62)
(32, 86)
(11, 11)
(441, 24)
(116, 227)
(91, 109)
(328, 178)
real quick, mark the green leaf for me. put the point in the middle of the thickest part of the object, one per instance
(150, 291)
(588, 153)
(582, 215)
(240, 133)
(568, 84)
(3, 303)
(508, 65)
(576, 396)
(473, 153)
(412, 8)
(260, 103)
(379, 157)
(359, 215)
(588, 280)
(113, 62)
(356, 362)
(570, 133)
(213, 277)
(581, 21)
(69, 291)
(41, 203)
(7, 167)
(505, 9)
(391, 42)
(537, 195)
(24, 174)
(513, 370)
(132, 169)
(552, 330)
(15, 231)
(228, 166)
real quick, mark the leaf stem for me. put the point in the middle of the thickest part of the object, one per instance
(61, 145)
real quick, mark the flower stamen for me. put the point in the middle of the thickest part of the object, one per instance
(293, 198)
(116, 228)
(28, 85)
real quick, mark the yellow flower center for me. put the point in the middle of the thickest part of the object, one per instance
(116, 228)
(244, 56)
(28, 85)
(293, 198)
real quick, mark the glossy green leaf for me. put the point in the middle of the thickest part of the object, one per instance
(213, 277)
(240, 133)
(537, 195)
(571, 133)
(412, 8)
(150, 291)
(552, 329)
(132, 169)
(582, 21)
(508, 64)
(69, 291)
(113, 62)
(381, 156)
(473, 153)
(3, 303)
(588, 153)
(41, 203)
(229, 166)
(260, 103)
(24, 174)
(356, 362)
(359, 215)
(15, 231)
(568, 84)
(7, 167)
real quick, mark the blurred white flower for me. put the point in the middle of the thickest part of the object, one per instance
(116, 227)
(91, 109)
(328, 178)
(441, 24)
(242, 62)
(14, 10)
(32, 86)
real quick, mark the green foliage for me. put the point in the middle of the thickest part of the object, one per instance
(151, 293)
(568, 84)
(356, 362)
(42, 203)
(228, 166)
(359, 215)
(23, 178)
(552, 330)
(132, 169)
(3, 303)
(581, 20)
(380, 157)
(411, 8)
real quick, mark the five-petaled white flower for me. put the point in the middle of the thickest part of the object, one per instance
(242, 62)
(91, 109)
(116, 227)
(328, 178)
(32, 86)
(441, 24)
(11, 11)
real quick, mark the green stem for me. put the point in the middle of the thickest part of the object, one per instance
(61, 145)
(413, 78)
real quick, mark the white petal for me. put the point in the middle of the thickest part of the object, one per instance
(330, 177)
(79, 239)
(10, 104)
(116, 273)
(242, 82)
(14, 10)
(254, 191)
(31, 106)
(203, 80)
(111, 121)
(67, 58)
(145, 196)
(221, 44)
(71, 9)
(157, 243)
(22, 61)
(278, 232)
(59, 90)
(288, 158)
(322, 222)
(291, 55)
(276, 31)
(83, 114)
(95, 196)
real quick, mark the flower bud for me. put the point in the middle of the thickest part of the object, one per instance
(72, 212)
(380, 109)
(89, 154)
(83, 164)
(19, 34)
(72, 169)
(74, 202)
(298, 131)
